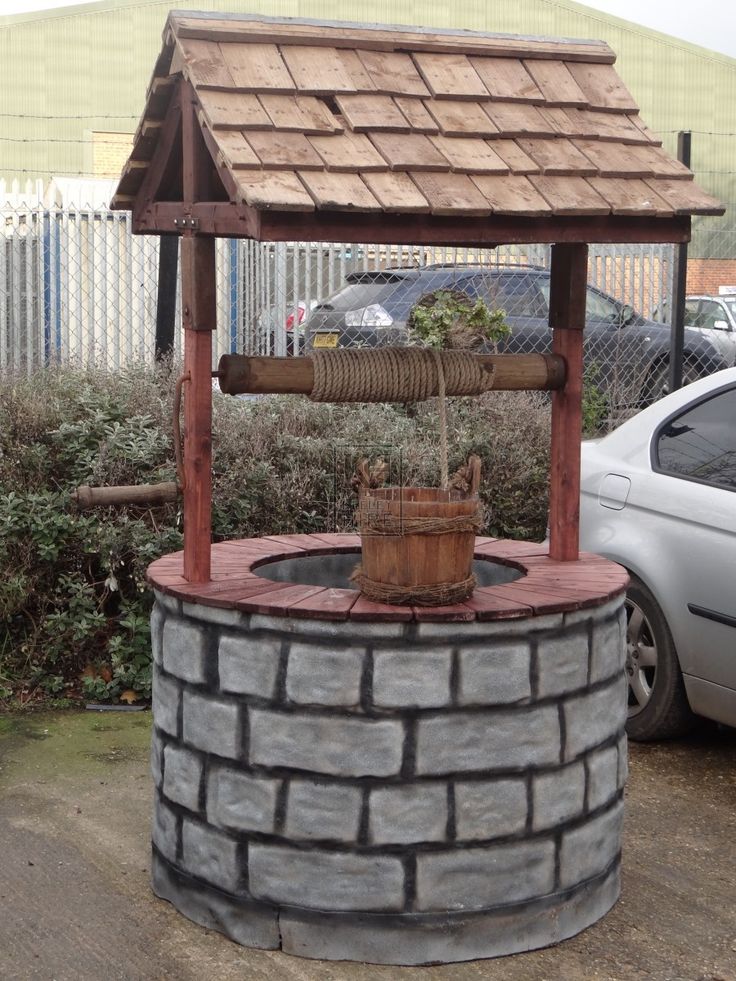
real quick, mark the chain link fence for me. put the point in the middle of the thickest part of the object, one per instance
(76, 285)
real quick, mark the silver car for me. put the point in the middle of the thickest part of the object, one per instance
(715, 318)
(658, 495)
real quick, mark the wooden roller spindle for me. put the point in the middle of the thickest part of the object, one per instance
(240, 374)
(140, 494)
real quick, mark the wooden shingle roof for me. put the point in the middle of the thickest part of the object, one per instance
(303, 118)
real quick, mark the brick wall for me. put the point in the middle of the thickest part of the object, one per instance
(110, 152)
(706, 275)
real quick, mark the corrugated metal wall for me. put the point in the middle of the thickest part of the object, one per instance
(94, 64)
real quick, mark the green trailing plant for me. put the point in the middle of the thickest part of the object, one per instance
(449, 318)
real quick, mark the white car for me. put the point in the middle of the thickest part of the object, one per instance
(658, 495)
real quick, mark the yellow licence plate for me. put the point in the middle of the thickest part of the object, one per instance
(325, 340)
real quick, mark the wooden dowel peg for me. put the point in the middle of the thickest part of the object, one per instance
(136, 494)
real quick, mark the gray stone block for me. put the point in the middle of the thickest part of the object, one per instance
(608, 650)
(241, 801)
(415, 812)
(455, 633)
(478, 878)
(248, 665)
(165, 702)
(593, 718)
(412, 677)
(349, 632)
(247, 923)
(318, 674)
(214, 614)
(158, 615)
(157, 758)
(323, 810)
(558, 796)
(324, 743)
(211, 855)
(623, 761)
(455, 742)
(182, 776)
(589, 850)
(213, 725)
(325, 880)
(562, 664)
(489, 808)
(602, 776)
(185, 650)
(495, 674)
(415, 939)
(169, 603)
(165, 828)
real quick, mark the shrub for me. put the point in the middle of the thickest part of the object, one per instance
(73, 597)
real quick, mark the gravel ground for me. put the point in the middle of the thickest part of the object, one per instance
(75, 902)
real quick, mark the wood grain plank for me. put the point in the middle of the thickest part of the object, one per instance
(603, 87)
(277, 150)
(512, 154)
(299, 114)
(556, 84)
(204, 64)
(512, 195)
(393, 73)
(456, 118)
(367, 112)
(395, 191)
(415, 112)
(519, 119)
(642, 126)
(570, 195)
(412, 151)
(317, 70)
(660, 163)
(451, 194)
(233, 110)
(356, 70)
(630, 197)
(450, 76)
(614, 159)
(558, 158)
(596, 125)
(277, 190)
(685, 197)
(256, 67)
(351, 152)
(338, 192)
(469, 156)
(507, 79)
(235, 150)
(421, 39)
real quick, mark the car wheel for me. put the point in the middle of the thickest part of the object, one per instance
(658, 706)
(657, 384)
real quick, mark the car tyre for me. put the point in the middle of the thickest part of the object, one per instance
(658, 705)
(657, 384)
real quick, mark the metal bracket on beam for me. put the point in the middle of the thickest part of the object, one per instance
(187, 222)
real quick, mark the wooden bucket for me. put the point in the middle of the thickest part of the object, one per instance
(417, 545)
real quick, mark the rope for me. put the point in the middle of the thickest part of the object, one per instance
(396, 374)
(442, 405)
(385, 523)
(434, 594)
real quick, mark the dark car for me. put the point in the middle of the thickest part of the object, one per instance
(626, 353)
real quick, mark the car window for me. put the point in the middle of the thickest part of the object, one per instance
(361, 293)
(518, 296)
(599, 307)
(710, 312)
(691, 313)
(700, 444)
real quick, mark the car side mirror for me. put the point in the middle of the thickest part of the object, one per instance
(627, 314)
(720, 325)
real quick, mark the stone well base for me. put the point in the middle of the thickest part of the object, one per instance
(343, 780)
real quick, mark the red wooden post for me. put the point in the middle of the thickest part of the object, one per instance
(199, 307)
(568, 281)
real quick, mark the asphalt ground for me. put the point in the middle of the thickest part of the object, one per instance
(75, 903)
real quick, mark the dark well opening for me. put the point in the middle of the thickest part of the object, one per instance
(334, 571)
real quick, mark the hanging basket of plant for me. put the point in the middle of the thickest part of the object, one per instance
(418, 542)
